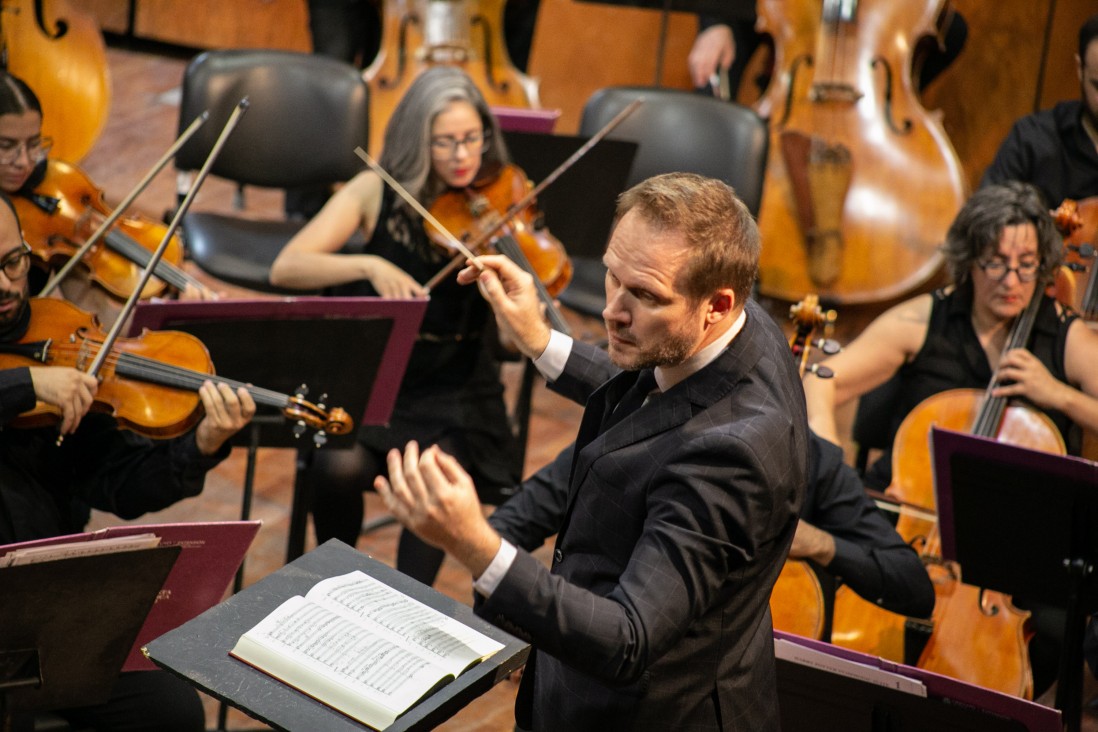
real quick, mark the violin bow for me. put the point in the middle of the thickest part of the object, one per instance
(116, 328)
(419, 208)
(121, 207)
(534, 192)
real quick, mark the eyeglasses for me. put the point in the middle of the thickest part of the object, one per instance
(37, 150)
(997, 270)
(447, 146)
(17, 264)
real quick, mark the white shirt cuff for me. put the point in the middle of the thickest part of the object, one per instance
(550, 363)
(487, 583)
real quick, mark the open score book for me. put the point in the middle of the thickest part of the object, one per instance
(362, 647)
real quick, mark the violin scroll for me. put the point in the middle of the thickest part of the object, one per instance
(317, 417)
(808, 316)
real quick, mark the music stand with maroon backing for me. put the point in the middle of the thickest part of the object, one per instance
(1025, 523)
(352, 350)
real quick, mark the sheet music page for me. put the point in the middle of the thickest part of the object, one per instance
(803, 655)
(362, 647)
(450, 643)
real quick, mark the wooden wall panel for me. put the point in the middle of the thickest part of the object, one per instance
(205, 24)
(580, 47)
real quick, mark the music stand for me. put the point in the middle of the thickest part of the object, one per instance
(199, 650)
(1022, 522)
(353, 349)
(70, 623)
(579, 206)
(855, 691)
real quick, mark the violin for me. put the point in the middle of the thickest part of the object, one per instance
(149, 383)
(470, 212)
(64, 210)
(1078, 287)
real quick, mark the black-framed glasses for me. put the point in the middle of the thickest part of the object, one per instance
(17, 264)
(37, 149)
(446, 146)
(997, 270)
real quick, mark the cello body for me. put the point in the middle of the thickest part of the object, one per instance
(976, 635)
(418, 34)
(59, 51)
(862, 182)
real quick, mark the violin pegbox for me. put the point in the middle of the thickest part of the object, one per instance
(306, 415)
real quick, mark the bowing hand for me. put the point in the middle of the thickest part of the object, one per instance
(227, 412)
(510, 291)
(430, 494)
(1030, 379)
(70, 390)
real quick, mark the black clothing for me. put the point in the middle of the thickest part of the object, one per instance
(1051, 150)
(869, 555)
(451, 396)
(48, 490)
(952, 358)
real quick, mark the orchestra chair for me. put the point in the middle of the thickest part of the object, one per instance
(305, 116)
(676, 130)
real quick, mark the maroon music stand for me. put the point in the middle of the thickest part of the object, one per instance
(351, 350)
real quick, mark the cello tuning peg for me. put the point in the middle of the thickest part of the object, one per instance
(828, 346)
(822, 372)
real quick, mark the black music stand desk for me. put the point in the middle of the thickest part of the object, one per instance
(821, 686)
(1023, 522)
(351, 352)
(199, 650)
(68, 625)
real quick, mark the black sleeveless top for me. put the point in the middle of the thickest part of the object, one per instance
(451, 389)
(952, 358)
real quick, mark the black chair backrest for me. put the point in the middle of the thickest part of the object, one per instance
(306, 114)
(682, 131)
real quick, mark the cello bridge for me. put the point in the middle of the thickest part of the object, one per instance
(834, 91)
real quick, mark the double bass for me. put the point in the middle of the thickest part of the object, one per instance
(59, 51)
(862, 182)
(419, 34)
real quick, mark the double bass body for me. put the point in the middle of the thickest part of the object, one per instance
(862, 182)
(418, 34)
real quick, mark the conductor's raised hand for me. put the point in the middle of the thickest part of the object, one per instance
(430, 494)
(514, 299)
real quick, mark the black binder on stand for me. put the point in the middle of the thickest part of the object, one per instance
(199, 650)
(1025, 523)
(68, 625)
(350, 352)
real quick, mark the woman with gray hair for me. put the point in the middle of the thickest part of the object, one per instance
(441, 137)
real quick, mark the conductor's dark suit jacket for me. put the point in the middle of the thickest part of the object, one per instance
(655, 614)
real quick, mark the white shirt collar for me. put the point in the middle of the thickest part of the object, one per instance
(668, 376)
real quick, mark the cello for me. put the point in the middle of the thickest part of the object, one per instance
(797, 600)
(418, 34)
(862, 182)
(975, 634)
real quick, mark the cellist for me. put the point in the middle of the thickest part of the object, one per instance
(1001, 250)
(48, 489)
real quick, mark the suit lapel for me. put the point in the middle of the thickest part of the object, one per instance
(664, 411)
